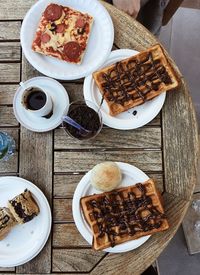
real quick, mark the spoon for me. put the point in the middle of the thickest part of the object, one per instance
(73, 123)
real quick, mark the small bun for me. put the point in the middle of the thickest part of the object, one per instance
(106, 176)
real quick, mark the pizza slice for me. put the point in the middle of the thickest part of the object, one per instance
(63, 33)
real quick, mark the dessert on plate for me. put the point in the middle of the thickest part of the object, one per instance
(124, 214)
(23, 207)
(135, 80)
(63, 33)
(7, 222)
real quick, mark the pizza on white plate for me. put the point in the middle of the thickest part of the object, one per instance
(63, 33)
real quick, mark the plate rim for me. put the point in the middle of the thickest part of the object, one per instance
(107, 119)
(57, 76)
(76, 197)
(49, 218)
(46, 79)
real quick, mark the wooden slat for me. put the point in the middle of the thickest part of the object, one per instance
(77, 260)
(180, 143)
(28, 69)
(7, 269)
(10, 72)
(9, 30)
(67, 235)
(7, 117)
(7, 93)
(110, 138)
(65, 185)
(84, 161)
(17, 12)
(62, 210)
(140, 258)
(36, 166)
(10, 51)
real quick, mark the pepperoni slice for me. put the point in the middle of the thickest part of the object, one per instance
(60, 28)
(72, 50)
(80, 23)
(53, 12)
(45, 37)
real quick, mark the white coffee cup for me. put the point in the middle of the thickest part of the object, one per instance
(37, 101)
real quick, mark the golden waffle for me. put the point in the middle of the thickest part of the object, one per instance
(124, 214)
(135, 80)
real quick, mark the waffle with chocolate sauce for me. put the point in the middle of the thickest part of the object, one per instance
(7, 222)
(124, 214)
(23, 207)
(135, 80)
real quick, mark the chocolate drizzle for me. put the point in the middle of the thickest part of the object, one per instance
(134, 80)
(117, 214)
(3, 221)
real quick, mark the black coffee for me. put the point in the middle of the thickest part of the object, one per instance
(87, 118)
(35, 100)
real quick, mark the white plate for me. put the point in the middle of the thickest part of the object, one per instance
(126, 120)
(24, 241)
(98, 49)
(130, 175)
(60, 105)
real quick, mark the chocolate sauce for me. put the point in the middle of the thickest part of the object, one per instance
(134, 80)
(4, 221)
(21, 213)
(126, 213)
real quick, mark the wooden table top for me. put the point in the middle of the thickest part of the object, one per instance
(166, 149)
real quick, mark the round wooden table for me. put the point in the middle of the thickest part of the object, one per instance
(166, 149)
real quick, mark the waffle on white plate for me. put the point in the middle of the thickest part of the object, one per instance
(124, 214)
(135, 80)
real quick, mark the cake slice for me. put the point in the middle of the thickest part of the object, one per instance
(7, 222)
(124, 214)
(23, 207)
(135, 80)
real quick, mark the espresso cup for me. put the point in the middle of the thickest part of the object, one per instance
(37, 101)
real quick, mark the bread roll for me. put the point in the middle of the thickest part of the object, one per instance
(106, 176)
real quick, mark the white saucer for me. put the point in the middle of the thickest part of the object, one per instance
(130, 175)
(126, 120)
(24, 241)
(98, 49)
(60, 105)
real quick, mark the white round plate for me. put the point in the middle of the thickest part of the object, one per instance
(59, 98)
(126, 120)
(98, 49)
(130, 175)
(24, 241)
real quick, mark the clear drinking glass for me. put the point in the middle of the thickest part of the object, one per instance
(7, 146)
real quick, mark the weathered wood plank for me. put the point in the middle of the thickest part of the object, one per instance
(28, 69)
(62, 210)
(10, 51)
(9, 72)
(67, 235)
(110, 138)
(9, 30)
(180, 143)
(65, 185)
(36, 166)
(150, 250)
(77, 260)
(84, 161)
(7, 117)
(10, 166)
(7, 269)
(7, 93)
(16, 13)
